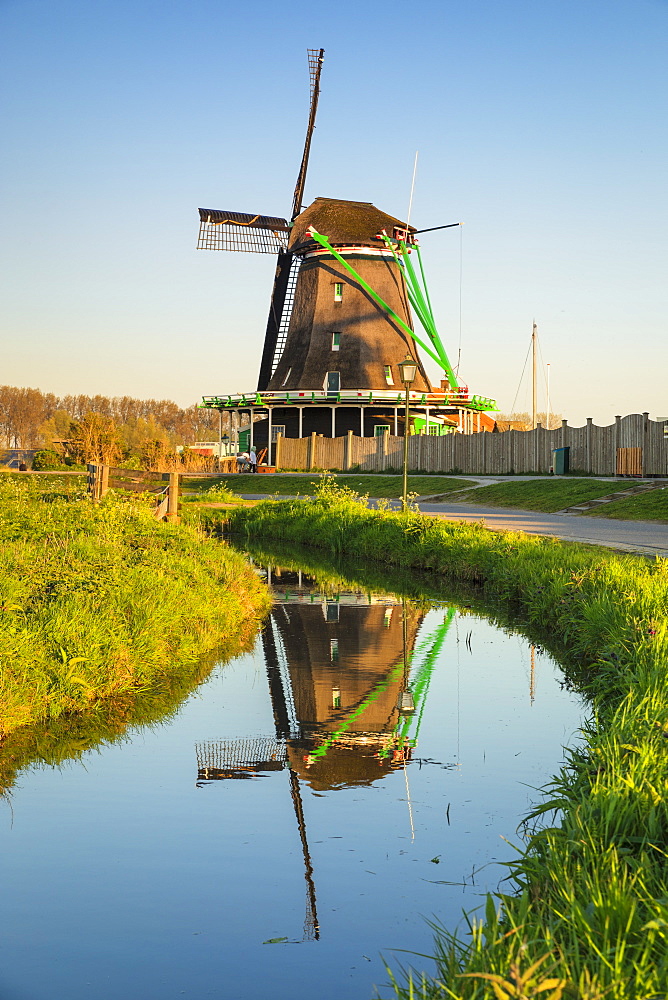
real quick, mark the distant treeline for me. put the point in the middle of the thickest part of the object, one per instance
(30, 418)
(101, 428)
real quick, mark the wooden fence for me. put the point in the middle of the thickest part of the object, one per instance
(633, 446)
(164, 486)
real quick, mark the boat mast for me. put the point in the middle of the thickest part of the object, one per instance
(533, 377)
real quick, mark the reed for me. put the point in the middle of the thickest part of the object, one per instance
(99, 601)
(587, 916)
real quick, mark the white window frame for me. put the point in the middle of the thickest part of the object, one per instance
(336, 345)
(389, 378)
(338, 291)
(325, 385)
(379, 430)
(276, 430)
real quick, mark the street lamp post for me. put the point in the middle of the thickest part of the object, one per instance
(407, 373)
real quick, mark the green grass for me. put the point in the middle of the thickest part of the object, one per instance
(378, 485)
(539, 494)
(651, 506)
(590, 899)
(101, 601)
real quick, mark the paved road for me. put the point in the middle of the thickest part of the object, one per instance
(646, 537)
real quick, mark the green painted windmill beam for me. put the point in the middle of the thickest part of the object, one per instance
(420, 307)
(420, 683)
(419, 298)
(324, 242)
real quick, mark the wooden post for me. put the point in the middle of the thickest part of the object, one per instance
(103, 480)
(348, 453)
(588, 455)
(311, 451)
(173, 498)
(92, 481)
(279, 442)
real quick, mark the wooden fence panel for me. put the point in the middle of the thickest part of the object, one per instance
(656, 450)
(294, 453)
(577, 443)
(629, 461)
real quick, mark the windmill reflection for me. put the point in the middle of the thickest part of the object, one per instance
(348, 681)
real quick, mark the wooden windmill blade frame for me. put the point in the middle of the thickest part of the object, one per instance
(219, 230)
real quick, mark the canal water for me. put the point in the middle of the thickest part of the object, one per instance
(297, 820)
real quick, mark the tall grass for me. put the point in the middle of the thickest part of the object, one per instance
(100, 601)
(588, 917)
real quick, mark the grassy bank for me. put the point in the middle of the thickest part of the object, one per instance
(546, 494)
(591, 899)
(652, 506)
(373, 485)
(100, 601)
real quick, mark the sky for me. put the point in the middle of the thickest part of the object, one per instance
(539, 125)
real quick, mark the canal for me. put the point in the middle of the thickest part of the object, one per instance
(301, 815)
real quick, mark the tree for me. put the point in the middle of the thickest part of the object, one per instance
(96, 439)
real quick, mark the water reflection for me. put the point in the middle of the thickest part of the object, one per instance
(348, 681)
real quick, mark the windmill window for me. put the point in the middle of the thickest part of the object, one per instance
(331, 611)
(338, 291)
(387, 617)
(286, 378)
(334, 650)
(336, 341)
(388, 375)
(332, 383)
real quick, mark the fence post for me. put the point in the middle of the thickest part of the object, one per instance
(311, 451)
(588, 456)
(173, 498)
(348, 453)
(277, 460)
(618, 444)
(103, 480)
(92, 481)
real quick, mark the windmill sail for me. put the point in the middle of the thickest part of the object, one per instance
(288, 265)
(240, 231)
(315, 58)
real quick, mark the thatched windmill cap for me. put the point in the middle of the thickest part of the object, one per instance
(344, 223)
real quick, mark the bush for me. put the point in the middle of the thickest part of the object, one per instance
(47, 460)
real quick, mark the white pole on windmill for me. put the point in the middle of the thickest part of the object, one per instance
(410, 200)
(533, 376)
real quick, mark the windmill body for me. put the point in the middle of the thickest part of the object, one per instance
(339, 321)
(335, 327)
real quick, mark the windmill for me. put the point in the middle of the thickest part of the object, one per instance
(341, 315)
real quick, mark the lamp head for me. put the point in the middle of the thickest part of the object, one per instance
(408, 370)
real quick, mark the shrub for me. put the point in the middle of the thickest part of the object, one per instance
(47, 460)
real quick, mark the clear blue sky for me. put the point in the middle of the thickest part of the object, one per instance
(540, 125)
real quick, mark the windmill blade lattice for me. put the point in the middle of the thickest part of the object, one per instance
(220, 230)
